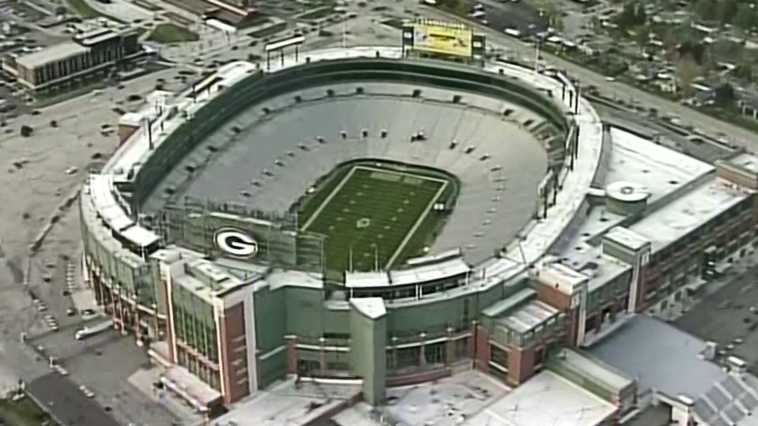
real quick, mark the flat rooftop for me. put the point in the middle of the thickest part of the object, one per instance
(51, 54)
(546, 399)
(288, 404)
(445, 402)
(746, 161)
(659, 356)
(688, 212)
(528, 316)
(655, 167)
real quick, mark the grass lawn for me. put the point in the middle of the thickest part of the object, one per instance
(86, 11)
(377, 213)
(170, 33)
(22, 413)
(83, 9)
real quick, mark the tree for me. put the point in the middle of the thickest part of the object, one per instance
(744, 71)
(705, 9)
(26, 131)
(745, 17)
(632, 15)
(456, 6)
(726, 10)
(642, 36)
(724, 95)
(696, 50)
(686, 72)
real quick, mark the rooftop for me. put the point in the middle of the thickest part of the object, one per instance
(594, 369)
(288, 404)
(746, 161)
(687, 213)
(445, 402)
(190, 387)
(429, 272)
(659, 356)
(626, 238)
(563, 277)
(139, 236)
(529, 316)
(371, 307)
(569, 405)
(51, 54)
(648, 165)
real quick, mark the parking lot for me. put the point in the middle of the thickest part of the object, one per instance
(103, 364)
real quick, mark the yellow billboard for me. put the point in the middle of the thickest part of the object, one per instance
(444, 39)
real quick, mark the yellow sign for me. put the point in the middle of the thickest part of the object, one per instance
(444, 39)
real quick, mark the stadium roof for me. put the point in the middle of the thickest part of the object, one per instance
(432, 272)
(535, 239)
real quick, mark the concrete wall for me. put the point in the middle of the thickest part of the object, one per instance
(368, 354)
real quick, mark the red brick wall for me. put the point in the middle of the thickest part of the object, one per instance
(163, 288)
(482, 349)
(561, 301)
(521, 365)
(232, 357)
(292, 356)
(553, 297)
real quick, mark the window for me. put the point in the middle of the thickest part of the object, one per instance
(500, 357)
(435, 353)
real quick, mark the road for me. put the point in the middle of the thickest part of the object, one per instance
(33, 187)
(736, 135)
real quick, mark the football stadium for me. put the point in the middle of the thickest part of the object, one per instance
(392, 215)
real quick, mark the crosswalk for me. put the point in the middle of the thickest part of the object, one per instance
(71, 283)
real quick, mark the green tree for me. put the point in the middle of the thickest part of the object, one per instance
(686, 72)
(706, 9)
(456, 6)
(745, 18)
(642, 37)
(744, 71)
(726, 11)
(724, 95)
(632, 15)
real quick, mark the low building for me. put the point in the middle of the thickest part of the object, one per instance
(95, 51)
(676, 370)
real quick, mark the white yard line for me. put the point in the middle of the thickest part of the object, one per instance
(418, 222)
(329, 198)
(415, 226)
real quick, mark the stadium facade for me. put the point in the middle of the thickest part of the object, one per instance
(230, 298)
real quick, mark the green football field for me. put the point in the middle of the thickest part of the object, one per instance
(374, 217)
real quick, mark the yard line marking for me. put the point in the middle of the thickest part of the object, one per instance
(416, 225)
(328, 198)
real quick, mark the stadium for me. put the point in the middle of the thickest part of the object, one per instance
(375, 213)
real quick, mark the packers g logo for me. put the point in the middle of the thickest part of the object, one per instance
(235, 242)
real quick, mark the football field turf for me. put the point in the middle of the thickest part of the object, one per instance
(372, 215)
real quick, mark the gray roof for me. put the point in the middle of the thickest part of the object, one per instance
(53, 53)
(660, 357)
(667, 360)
